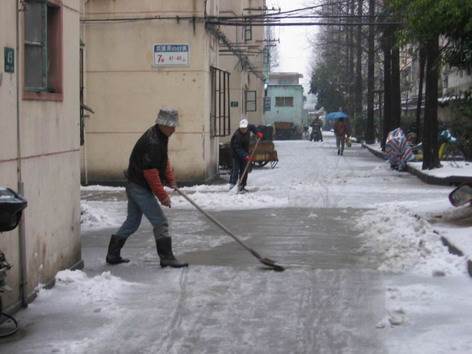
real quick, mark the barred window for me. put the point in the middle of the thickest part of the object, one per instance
(43, 46)
(284, 101)
(251, 102)
(220, 103)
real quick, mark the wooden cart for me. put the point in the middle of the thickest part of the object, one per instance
(264, 154)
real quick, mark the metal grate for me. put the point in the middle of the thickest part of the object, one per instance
(220, 103)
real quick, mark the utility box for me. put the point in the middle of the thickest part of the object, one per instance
(11, 208)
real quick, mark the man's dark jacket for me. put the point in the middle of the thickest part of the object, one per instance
(149, 152)
(240, 142)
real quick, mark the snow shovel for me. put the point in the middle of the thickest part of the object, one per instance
(248, 163)
(266, 261)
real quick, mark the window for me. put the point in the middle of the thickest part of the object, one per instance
(284, 101)
(220, 123)
(43, 49)
(250, 99)
(248, 32)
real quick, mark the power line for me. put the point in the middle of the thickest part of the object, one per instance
(284, 24)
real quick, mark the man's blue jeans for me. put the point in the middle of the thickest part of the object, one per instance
(141, 201)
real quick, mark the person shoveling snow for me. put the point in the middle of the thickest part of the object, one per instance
(240, 153)
(149, 170)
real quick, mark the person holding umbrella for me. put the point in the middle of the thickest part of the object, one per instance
(341, 130)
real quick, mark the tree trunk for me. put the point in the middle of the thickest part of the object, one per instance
(396, 92)
(358, 91)
(352, 7)
(422, 63)
(430, 133)
(387, 116)
(370, 129)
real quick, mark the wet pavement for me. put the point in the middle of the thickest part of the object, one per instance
(327, 301)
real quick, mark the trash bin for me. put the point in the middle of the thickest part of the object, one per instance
(11, 208)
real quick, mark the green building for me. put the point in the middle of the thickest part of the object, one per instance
(284, 99)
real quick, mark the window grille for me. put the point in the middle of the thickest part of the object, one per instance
(251, 102)
(43, 46)
(220, 120)
(36, 55)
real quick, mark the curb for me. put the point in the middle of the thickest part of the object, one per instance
(440, 181)
(377, 153)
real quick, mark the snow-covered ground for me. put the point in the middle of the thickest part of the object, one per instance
(400, 222)
(448, 169)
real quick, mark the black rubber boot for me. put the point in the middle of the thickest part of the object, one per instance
(114, 248)
(164, 248)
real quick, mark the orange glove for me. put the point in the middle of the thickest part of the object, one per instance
(154, 182)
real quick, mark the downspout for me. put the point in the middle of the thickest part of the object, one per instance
(21, 189)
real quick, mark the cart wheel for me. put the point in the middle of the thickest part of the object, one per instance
(261, 163)
(274, 163)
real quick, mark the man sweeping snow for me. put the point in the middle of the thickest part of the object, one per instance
(149, 170)
(240, 152)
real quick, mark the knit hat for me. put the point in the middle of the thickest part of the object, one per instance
(168, 117)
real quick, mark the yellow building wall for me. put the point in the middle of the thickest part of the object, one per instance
(126, 90)
(242, 80)
(50, 158)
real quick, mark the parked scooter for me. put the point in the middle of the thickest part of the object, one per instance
(461, 195)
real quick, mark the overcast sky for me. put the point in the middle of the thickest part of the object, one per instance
(294, 48)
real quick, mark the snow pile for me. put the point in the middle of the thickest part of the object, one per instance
(99, 215)
(100, 188)
(224, 200)
(78, 289)
(405, 242)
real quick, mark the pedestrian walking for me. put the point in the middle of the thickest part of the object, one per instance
(240, 152)
(316, 133)
(341, 130)
(148, 171)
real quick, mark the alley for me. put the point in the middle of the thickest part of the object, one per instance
(304, 214)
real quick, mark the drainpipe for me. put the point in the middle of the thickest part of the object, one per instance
(21, 189)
